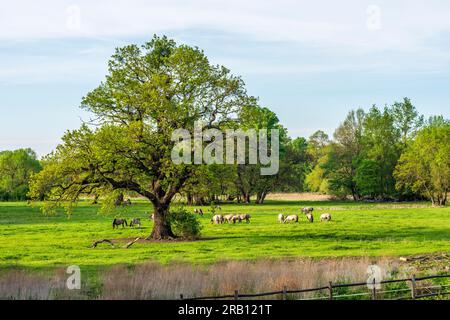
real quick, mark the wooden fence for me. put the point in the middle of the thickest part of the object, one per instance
(331, 291)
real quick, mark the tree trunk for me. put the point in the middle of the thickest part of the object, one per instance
(355, 194)
(161, 226)
(119, 200)
(190, 199)
(96, 196)
(260, 197)
(199, 201)
(442, 198)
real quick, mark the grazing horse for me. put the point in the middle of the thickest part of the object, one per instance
(325, 217)
(135, 222)
(217, 219)
(117, 222)
(235, 218)
(227, 218)
(291, 218)
(245, 217)
(198, 211)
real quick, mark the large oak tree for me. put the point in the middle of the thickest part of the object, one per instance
(150, 90)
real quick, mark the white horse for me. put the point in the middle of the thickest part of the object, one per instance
(291, 218)
(198, 211)
(217, 219)
(235, 218)
(245, 217)
(228, 218)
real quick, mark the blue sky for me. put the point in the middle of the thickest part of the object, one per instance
(310, 62)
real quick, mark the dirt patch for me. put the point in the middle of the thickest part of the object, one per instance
(299, 196)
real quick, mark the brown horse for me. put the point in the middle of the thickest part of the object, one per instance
(117, 222)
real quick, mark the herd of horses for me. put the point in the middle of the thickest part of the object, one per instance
(123, 222)
(232, 218)
(308, 212)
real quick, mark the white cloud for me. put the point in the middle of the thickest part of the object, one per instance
(47, 42)
(299, 37)
(405, 25)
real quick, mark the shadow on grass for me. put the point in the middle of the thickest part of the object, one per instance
(387, 235)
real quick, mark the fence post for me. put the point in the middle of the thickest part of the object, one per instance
(374, 290)
(413, 287)
(330, 290)
(236, 294)
(284, 293)
(181, 296)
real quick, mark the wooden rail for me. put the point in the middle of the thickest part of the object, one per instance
(332, 293)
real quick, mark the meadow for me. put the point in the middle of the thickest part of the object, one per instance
(33, 241)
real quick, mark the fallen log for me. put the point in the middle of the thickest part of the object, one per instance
(126, 246)
(129, 244)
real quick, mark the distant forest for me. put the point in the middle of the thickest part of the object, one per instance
(384, 154)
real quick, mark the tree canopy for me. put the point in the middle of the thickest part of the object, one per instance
(16, 169)
(368, 156)
(425, 165)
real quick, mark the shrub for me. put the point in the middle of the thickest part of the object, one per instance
(184, 223)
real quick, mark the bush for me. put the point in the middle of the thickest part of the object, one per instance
(184, 223)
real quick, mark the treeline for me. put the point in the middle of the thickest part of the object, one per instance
(16, 168)
(384, 154)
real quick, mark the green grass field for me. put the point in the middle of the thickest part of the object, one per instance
(30, 240)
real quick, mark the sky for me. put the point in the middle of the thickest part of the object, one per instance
(309, 61)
